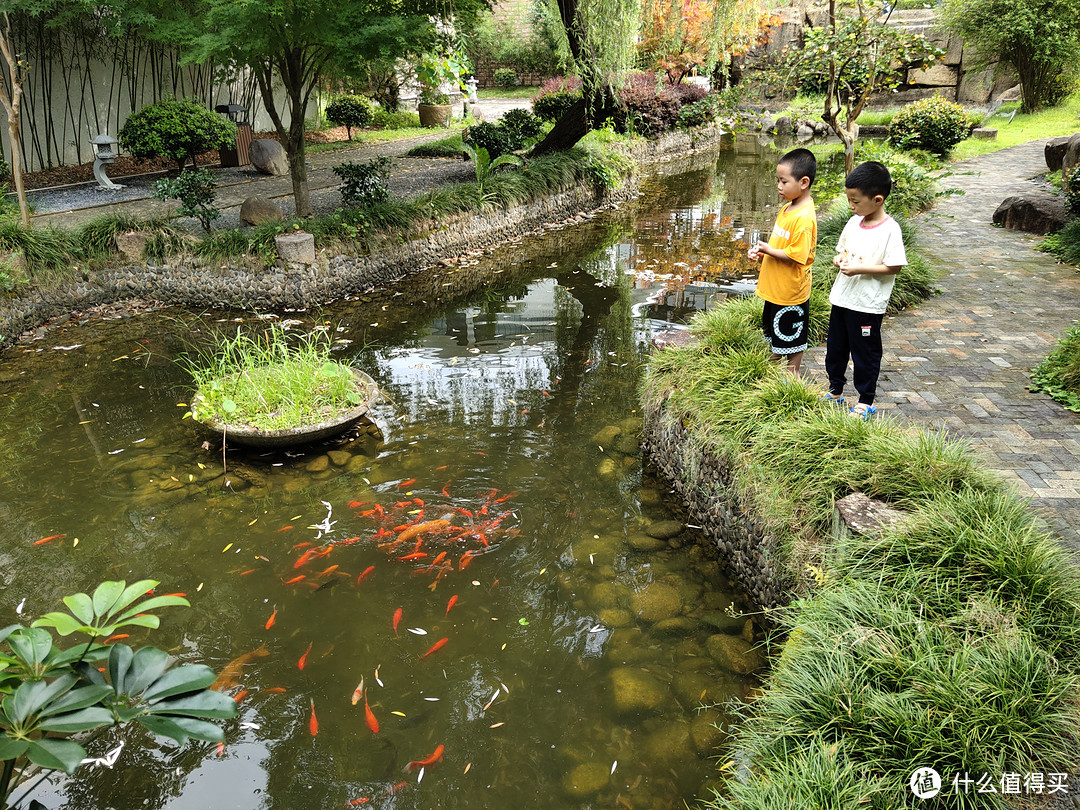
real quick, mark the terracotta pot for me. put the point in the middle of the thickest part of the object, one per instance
(435, 115)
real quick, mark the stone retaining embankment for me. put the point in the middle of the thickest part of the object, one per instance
(202, 283)
(750, 556)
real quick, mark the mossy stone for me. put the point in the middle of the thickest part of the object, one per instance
(675, 626)
(318, 464)
(735, 653)
(642, 542)
(649, 497)
(339, 458)
(671, 743)
(721, 621)
(606, 436)
(614, 617)
(586, 779)
(607, 467)
(708, 730)
(664, 529)
(636, 692)
(656, 602)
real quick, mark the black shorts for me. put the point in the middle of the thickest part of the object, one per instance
(785, 326)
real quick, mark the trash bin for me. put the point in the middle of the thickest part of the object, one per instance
(238, 155)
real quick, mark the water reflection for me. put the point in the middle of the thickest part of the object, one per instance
(584, 641)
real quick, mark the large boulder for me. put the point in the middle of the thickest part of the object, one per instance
(1054, 151)
(268, 156)
(1072, 153)
(1033, 212)
(259, 211)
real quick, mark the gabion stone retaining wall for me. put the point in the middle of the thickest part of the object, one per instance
(707, 485)
(201, 283)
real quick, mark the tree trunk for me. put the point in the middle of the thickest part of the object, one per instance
(576, 123)
(11, 105)
(298, 167)
(15, 138)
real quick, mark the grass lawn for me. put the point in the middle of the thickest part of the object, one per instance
(374, 136)
(525, 91)
(1050, 123)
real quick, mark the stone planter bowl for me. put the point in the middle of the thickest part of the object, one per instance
(435, 115)
(249, 436)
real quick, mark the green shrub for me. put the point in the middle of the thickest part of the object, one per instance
(1065, 244)
(1070, 185)
(399, 119)
(1059, 374)
(177, 130)
(934, 124)
(515, 130)
(522, 125)
(12, 272)
(705, 111)
(443, 148)
(364, 184)
(351, 111)
(556, 96)
(505, 77)
(195, 190)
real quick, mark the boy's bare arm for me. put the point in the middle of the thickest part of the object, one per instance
(849, 268)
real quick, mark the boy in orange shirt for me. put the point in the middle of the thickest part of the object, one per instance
(784, 281)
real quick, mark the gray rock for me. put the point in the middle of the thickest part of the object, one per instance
(1033, 212)
(132, 244)
(985, 133)
(259, 210)
(1072, 153)
(1055, 150)
(296, 248)
(268, 156)
(784, 125)
(805, 132)
(735, 654)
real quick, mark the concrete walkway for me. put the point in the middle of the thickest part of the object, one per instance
(961, 361)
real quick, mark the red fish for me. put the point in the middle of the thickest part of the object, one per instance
(437, 560)
(431, 759)
(303, 658)
(240, 695)
(295, 579)
(466, 558)
(420, 528)
(369, 717)
(402, 504)
(285, 528)
(249, 571)
(221, 749)
(438, 645)
(358, 504)
(395, 788)
(408, 482)
(397, 619)
(272, 619)
(305, 544)
(416, 555)
(329, 570)
(443, 467)
(313, 723)
(450, 604)
(357, 802)
(47, 539)
(365, 574)
(116, 637)
(505, 498)
(277, 690)
(444, 489)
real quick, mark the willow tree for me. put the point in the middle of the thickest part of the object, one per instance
(681, 36)
(601, 35)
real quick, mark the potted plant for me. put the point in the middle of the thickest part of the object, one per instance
(436, 74)
(270, 391)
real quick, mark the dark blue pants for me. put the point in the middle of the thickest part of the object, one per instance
(855, 335)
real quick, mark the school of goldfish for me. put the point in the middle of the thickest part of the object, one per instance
(435, 540)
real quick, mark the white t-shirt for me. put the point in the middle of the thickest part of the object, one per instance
(879, 244)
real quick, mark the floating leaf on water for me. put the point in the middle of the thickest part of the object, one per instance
(467, 767)
(433, 700)
(399, 714)
(496, 725)
(226, 548)
(420, 631)
(614, 765)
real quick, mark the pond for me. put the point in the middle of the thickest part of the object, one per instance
(525, 609)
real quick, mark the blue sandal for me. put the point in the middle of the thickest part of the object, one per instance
(863, 411)
(836, 399)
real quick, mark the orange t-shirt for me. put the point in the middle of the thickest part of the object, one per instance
(795, 232)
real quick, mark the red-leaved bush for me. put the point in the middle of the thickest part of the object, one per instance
(556, 96)
(646, 107)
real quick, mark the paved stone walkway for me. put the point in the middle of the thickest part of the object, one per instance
(961, 360)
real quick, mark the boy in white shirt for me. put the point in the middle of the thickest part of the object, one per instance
(869, 254)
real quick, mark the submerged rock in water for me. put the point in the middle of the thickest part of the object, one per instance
(586, 779)
(607, 467)
(708, 729)
(703, 688)
(735, 653)
(606, 436)
(675, 626)
(614, 617)
(318, 464)
(720, 620)
(636, 692)
(649, 497)
(339, 458)
(670, 744)
(627, 444)
(664, 529)
(642, 542)
(655, 602)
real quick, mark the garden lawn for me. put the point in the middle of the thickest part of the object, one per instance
(1049, 123)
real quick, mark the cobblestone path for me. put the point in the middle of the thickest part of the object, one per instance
(961, 360)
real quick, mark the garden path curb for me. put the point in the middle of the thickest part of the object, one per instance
(961, 361)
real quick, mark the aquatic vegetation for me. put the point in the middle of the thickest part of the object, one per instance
(272, 382)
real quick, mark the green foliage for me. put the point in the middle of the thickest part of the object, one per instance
(1040, 38)
(1059, 374)
(178, 130)
(515, 130)
(44, 248)
(51, 693)
(444, 147)
(351, 111)
(505, 77)
(556, 96)
(486, 166)
(934, 124)
(646, 106)
(12, 272)
(1070, 186)
(542, 50)
(271, 381)
(710, 109)
(364, 183)
(1065, 244)
(401, 119)
(196, 191)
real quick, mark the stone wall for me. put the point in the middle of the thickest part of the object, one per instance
(955, 77)
(200, 283)
(749, 555)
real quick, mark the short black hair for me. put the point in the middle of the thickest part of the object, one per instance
(802, 163)
(871, 178)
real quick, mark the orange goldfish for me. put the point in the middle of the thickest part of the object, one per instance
(303, 658)
(230, 675)
(47, 539)
(408, 482)
(313, 723)
(450, 604)
(438, 645)
(419, 528)
(397, 619)
(369, 717)
(365, 574)
(272, 619)
(431, 759)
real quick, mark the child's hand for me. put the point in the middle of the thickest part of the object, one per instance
(756, 251)
(838, 260)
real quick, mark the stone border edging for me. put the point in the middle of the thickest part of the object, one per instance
(198, 283)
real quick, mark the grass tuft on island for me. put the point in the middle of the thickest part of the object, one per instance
(952, 640)
(272, 381)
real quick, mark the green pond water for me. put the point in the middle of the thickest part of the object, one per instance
(589, 653)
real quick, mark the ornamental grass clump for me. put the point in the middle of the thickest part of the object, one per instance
(272, 381)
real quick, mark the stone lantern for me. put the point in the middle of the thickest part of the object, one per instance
(106, 150)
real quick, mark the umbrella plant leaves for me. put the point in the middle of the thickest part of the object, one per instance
(81, 720)
(179, 681)
(61, 755)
